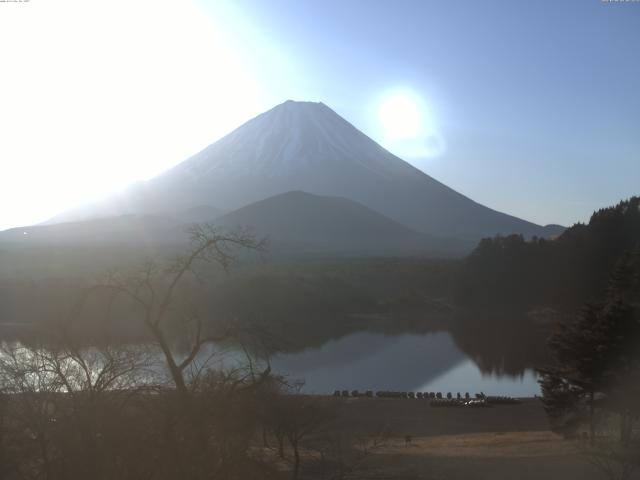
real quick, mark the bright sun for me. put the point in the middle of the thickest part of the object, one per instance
(407, 125)
(400, 117)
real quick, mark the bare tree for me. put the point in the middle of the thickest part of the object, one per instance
(296, 417)
(99, 410)
(154, 289)
(162, 299)
(61, 400)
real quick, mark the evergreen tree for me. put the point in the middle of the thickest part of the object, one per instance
(569, 387)
(597, 359)
(563, 272)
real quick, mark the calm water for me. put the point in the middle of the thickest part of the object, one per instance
(411, 362)
(376, 361)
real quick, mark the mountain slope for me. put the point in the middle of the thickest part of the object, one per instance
(334, 224)
(307, 146)
(131, 229)
(294, 222)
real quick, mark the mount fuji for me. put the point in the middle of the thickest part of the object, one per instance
(307, 147)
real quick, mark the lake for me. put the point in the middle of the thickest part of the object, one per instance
(410, 362)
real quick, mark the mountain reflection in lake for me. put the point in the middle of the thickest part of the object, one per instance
(411, 362)
(366, 360)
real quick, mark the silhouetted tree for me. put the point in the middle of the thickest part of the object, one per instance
(161, 297)
(597, 360)
(154, 289)
(63, 405)
(563, 272)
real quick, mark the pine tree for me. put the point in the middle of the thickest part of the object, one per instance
(597, 359)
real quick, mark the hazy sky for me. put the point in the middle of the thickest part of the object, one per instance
(529, 107)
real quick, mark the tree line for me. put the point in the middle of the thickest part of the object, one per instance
(512, 272)
(590, 380)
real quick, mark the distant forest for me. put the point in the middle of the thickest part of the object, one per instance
(562, 273)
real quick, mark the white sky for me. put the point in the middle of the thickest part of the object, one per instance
(96, 94)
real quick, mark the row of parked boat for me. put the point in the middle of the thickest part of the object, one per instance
(438, 399)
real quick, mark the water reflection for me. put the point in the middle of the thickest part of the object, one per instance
(467, 377)
(414, 362)
(503, 343)
(493, 353)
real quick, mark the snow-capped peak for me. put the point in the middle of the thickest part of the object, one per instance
(289, 138)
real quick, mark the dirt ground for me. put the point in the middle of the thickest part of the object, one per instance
(499, 442)
(417, 418)
(495, 455)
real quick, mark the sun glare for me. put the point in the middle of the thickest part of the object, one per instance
(408, 128)
(400, 117)
(98, 94)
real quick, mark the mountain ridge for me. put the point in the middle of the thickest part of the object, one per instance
(306, 146)
(337, 224)
(295, 223)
